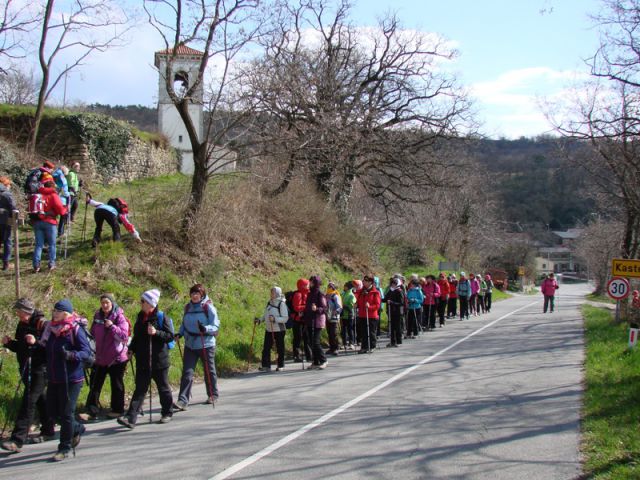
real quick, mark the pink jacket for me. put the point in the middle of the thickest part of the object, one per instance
(475, 285)
(549, 287)
(431, 293)
(111, 343)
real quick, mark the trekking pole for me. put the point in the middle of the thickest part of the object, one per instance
(67, 230)
(180, 350)
(15, 397)
(253, 334)
(84, 222)
(304, 341)
(208, 381)
(150, 378)
(366, 311)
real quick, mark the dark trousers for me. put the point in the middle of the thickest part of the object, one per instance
(301, 338)
(487, 301)
(414, 316)
(269, 339)
(464, 307)
(367, 342)
(395, 328)
(480, 304)
(429, 316)
(189, 363)
(452, 307)
(98, 376)
(100, 216)
(32, 398)
(5, 236)
(143, 381)
(61, 405)
(62, 224)
(318, 352)
(549, 301)
(74, 206)
(442, 307)
(348, 330)
(332, 330)
(472, 302)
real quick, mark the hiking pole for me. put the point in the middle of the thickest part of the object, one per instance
(67, 230)
(84, 222)
(304, 341)
(366, 311)
(150, 378)
(208, 381)
(253, 334)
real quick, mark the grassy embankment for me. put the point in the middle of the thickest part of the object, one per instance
(611, 415)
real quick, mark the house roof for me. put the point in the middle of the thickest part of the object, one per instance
(570, 234)
(181, 50)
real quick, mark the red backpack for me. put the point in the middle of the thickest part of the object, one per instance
(119, 204)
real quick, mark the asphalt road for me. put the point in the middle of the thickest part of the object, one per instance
(495, 397)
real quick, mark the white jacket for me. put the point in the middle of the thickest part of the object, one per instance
(278, 310)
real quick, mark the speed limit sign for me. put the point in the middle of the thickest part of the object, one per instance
(618, 288)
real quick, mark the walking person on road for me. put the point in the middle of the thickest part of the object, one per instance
(334, 304)
(347, 323)
(548, 289)
(475, 288)
(395, 300)
(275, 320)
(300, 333)
(464, 294)
(443, 283)
(489, 294)
(452, 304)
(368, 307)
(415, 299)
(315, 317)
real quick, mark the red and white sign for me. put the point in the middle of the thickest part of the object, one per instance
(618, 288)
(633, 337)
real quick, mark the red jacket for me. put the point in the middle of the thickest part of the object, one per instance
(452, 289)
(300, 299)
(431, 293)
(52, 205)
(372, 297)
(444, 289)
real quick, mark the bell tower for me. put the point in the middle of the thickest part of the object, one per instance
(184, 72)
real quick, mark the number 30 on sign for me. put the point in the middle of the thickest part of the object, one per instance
(618, 288)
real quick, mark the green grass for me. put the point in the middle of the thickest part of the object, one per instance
(600, 298)
(611, 416)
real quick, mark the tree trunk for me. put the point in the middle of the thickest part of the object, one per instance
(342, 195)
(198, 188)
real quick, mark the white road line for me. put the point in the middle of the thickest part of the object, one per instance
(328, 416)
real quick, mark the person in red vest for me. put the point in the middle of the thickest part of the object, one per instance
(368, 301)
(443, 283)
(300, 334)
(44, 219)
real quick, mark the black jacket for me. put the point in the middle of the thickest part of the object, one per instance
(159, 342)
(35, 327)
(7, 205)
(395, 299)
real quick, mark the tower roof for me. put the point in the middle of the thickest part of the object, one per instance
(182, 50)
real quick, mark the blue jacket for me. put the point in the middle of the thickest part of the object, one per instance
(464, 288)
(415, 297)
(61, 184)
(194, 314)
(74, 340)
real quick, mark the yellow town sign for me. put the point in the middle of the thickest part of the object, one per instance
(622, 267)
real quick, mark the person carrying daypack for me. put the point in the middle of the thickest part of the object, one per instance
(33, 182)
(32, 364)
(443, 283)
(62, 187)
(152, 333)
(7, 207)
(334, 304)
(415, 298)
(300, 333)
(200, 327)
(463, 290)
(44, 209)
(111, 330)
(347, 322)
(368, 302)
(275, 318)
(488, 296)
(315, 318)
(67, 348)
(395, 300)
(431, 292)
(114, 212)
(74, 189)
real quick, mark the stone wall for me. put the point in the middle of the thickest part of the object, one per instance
(143, 159)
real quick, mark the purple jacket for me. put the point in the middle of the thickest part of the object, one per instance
(475, 286)
(317, 319)
(111, 343)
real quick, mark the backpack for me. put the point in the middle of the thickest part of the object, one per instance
(172, 343)
(88, 363)
(119, 204)
(36, 206)
(32, 183)
(288, 301)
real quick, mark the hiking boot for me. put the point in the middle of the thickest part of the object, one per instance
(125, 422)
(60, 456)
(363, 351)
(165, 419)
(323, 365)
(52, 267)
(297, 360)
(264, 369)
(312, 367)
(86, 417)
(389, 345)
(41, 438)
(279, 369)
(180, 406)
(75, 441)
(211, 400)
(115, 414)
(5, 266)
(11, 447)
(36, 269)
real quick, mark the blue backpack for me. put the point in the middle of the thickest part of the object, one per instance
(160, 315)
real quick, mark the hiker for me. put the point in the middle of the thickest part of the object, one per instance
(75, 184)
(395, 300)
(415, 299)
(481, 293)
(200, 326)
(431, 292)
(347, 323)
(275, 320)
(62, 187)
(464, 294)
(33, 182)
(548, 288)
(453, 296)
(32, 367)
(475, 288)
(300, 333)
(376, 283)
(7, 207)
(315, 319)
(114, 212)
(368, 302)
(67, 348)
(489, 292)
(44, 208)
(111, 331)
(443, 301)
(149, 344)
(334, 304)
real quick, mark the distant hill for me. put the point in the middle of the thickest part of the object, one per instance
(143, 118)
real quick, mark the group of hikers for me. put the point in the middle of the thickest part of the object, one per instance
(51, 194)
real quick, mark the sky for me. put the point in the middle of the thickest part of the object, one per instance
(513, 55)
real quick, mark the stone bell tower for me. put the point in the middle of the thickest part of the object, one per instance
(184, 72)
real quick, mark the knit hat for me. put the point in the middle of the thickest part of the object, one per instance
(25, 305)
(151, 297)
(45, 178)
(49, 165)
(462, 274)
(64, 305)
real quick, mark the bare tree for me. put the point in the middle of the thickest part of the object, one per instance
(220, 30)
(16, 19)
(342, 104)
(597, 246)
(80, 29)
(18, 88)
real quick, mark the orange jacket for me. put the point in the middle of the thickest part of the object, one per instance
(372, 297)
(300, 299)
